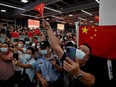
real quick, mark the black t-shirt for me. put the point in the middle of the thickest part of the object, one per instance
(68, 80)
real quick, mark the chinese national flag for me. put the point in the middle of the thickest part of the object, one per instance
(40, 8)
(102, 40)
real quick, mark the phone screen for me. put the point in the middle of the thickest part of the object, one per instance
(15, 55)
(71, 52)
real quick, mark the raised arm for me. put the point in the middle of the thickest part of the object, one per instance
(53, 39)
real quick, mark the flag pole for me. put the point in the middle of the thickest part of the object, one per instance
(77, 24)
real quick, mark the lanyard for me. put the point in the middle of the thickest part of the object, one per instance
(47, 64)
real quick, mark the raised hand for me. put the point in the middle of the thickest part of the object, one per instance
(45, 24)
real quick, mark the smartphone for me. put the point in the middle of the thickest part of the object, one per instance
(71, 52)
(15, 55)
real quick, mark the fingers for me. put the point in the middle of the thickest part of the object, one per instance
(15, 59)
(43, 24)
(66, 66)
(69, 61)
(76, 60)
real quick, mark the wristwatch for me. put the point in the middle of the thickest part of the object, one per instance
(79, 76)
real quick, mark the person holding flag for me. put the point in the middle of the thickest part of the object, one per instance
(77, 70)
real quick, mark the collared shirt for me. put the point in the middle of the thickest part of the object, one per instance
(30, 71)
(47, 69)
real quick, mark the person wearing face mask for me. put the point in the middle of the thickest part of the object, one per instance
(47, 70)
(28, 63)
(37, 51)
(6, 66)
(27, 42)
(82, 77)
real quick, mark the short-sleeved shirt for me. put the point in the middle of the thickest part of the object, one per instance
(46, 68)
(30, 71)
(6, 68)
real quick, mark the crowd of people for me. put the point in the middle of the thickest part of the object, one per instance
(44, 63)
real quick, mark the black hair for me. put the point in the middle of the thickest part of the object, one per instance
(90, 55)
(26, 39)
(69, 44)
(22, 41)
(6, 43)
(16, 40)
(36, 49)
(32, 50)
(88, 46)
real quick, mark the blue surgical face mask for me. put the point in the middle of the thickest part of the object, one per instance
(27, 56)
(80, 54)
(4, 49)
(44, 52)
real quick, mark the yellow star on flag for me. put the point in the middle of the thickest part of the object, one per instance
(91, 37)
(85, 30)
(95, 35)
(38, 8)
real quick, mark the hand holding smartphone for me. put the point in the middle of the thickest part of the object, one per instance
(15, 55)
(71, 53)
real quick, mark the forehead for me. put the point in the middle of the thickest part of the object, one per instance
(4, 45)
(29, 51)
(21, 42)
(38, 43)
(84, 48)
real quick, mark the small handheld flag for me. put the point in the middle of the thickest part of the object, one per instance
(40, 8)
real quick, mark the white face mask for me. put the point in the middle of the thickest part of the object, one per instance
(38, 46)
(27, 56)
(4, 49)
(80, 54)
(20, 45)
(33, 45)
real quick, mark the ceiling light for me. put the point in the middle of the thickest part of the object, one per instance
(24, 1)
(91, 21)
(58, 17)
(10, 6)
(7, 20)
(60, 21)
(97, 1)
(70, 15)
(53, 9)
(86, 12)
(82, 19)
(47, 19)
(3, 10)
(29, 15)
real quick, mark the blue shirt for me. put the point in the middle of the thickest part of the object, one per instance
(47, 69)
(30, 71)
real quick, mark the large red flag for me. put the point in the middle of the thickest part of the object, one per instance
(102, 40)
(40, 8)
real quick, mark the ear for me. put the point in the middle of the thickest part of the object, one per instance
(86, 58)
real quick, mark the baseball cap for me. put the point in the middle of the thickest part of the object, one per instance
(44, 44)
(26, 39)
